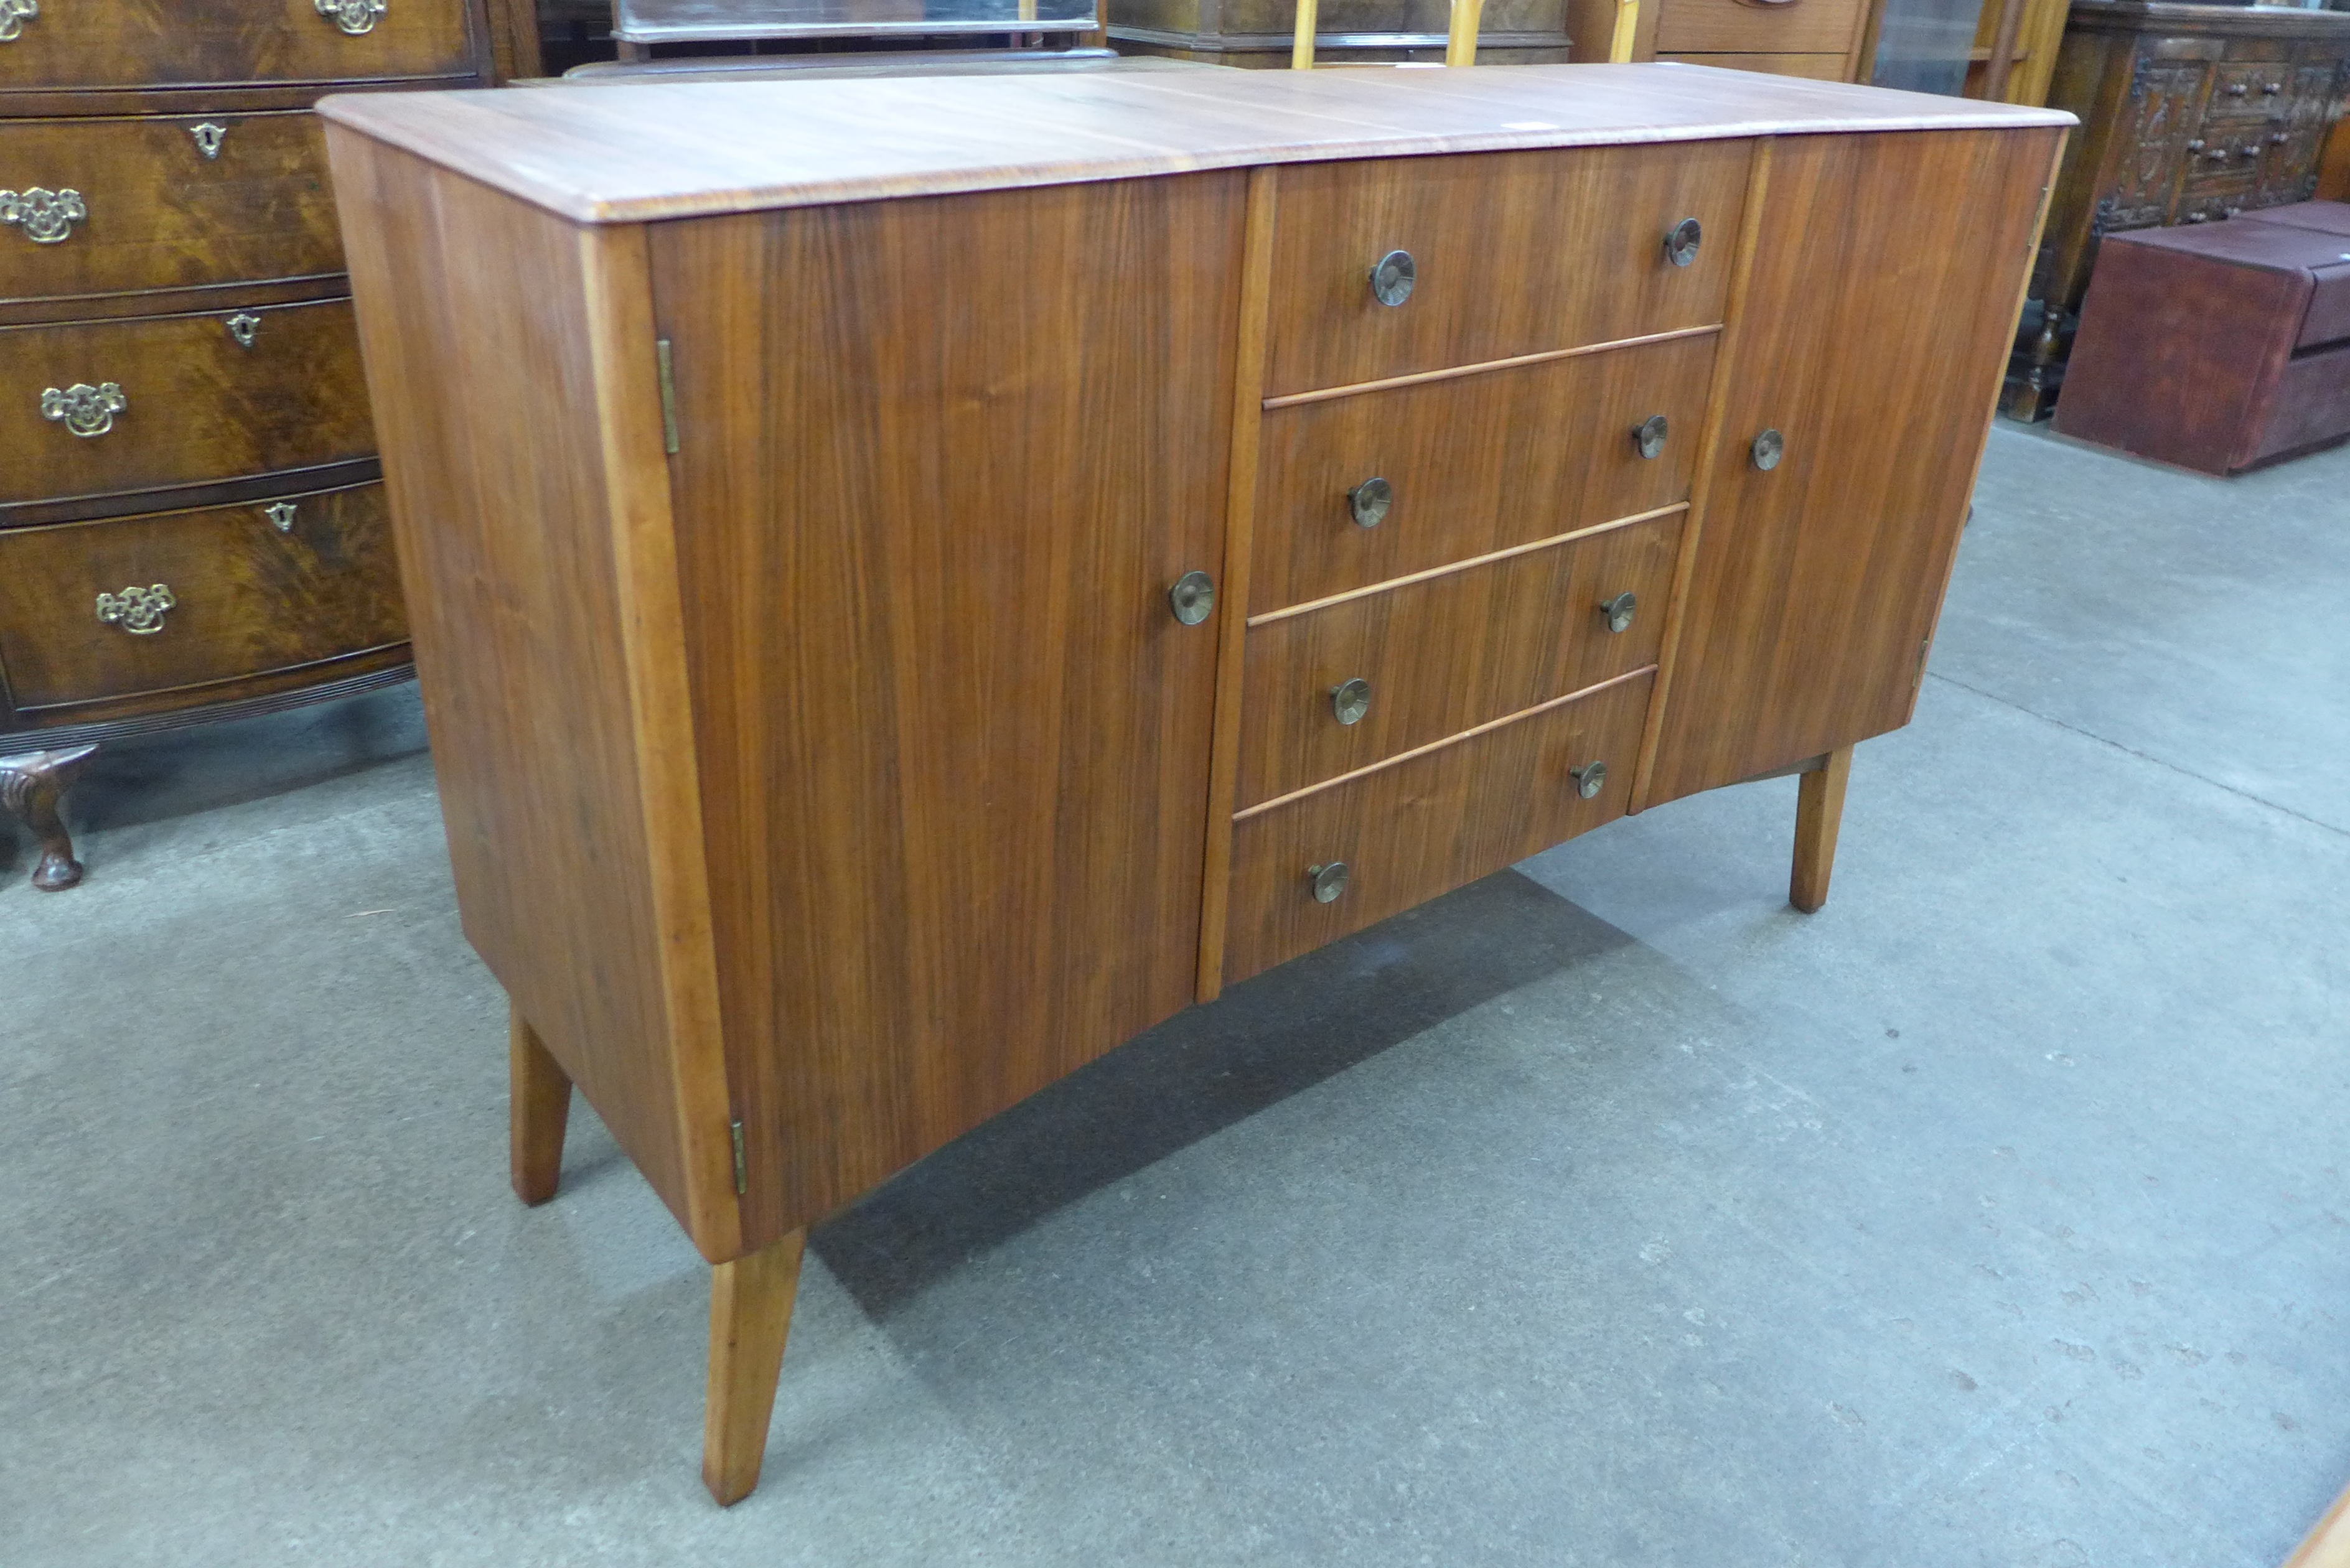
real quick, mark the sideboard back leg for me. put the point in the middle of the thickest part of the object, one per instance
(1819, 807)
(29, 787)
(538, 1105)
(750, 1316)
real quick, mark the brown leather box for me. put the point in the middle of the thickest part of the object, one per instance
(2217, 348)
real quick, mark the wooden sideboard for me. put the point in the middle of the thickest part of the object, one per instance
(916, 583)
(190, 521)
(2188, 114)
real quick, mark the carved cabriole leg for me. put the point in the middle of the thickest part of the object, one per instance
(1819, 808)
(750, 1316)
(29, 787)
(537, 1108)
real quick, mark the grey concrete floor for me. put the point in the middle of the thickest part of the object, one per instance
(1604, 1212)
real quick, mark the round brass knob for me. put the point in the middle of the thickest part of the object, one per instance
(1589, 779)
(2195, 144)
(1681, 245)
(1327, 881)
(1768, 449)
(1351, 699)
(2271, 86)
(1391, 280)
(1619, 610)
(1369, 502)
(1192, 597)
(2237, 89)
(1649, 436)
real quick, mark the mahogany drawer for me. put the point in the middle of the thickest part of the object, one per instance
(1427, 823)
(1444, 654)
(195, 403)
(169, 43)
(1760, 26)
(1473, 464)
(80, 620)
(1512, 252)
(157, 211)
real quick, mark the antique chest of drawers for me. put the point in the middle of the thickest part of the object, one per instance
(912, 587)
(192, 522)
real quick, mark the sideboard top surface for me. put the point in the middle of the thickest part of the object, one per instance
(636, 153)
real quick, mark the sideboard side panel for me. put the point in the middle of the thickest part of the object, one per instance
(940, 461)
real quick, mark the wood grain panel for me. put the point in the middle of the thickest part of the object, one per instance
(1516, 252)
(91, 44)
(1812, 68)
(199, 407)
(1817, 584)
(162, 214)
(1446, 654)
(1428, 825)
(1477, 463)
(247, 598)
(1734, 27)
(955, 745)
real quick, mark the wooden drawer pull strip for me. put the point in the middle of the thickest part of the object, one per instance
(1291, 399)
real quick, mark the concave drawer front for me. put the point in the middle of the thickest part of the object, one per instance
(2327, 319)
(161, 43)
(1512, 252)
(1471, 465)
(95, 610)
(1770, 26)
(1407, 666)
(190, 401)
(106, 206)
(1426, 826)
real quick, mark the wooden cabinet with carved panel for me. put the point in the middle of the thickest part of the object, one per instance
(2188, 114)
(192, 518)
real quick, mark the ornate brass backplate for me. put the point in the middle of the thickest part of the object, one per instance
(85, 410)
(207, 134)
(353, 16)
(137, 610)
(48, 217)
(13, 14)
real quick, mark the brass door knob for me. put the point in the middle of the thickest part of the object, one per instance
(1589, 779)
(1192, 597)
(1351, 699)
(1619, 610)
(1327, 881)
(1681, 245)
(1391, 280)
(1649, 436)
(1768, 449)
(1369, 502)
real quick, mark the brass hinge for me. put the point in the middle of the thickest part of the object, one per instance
(669, 416)
(742, 1171)
(1914, 681)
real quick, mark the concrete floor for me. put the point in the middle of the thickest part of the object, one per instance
(1606, 1212)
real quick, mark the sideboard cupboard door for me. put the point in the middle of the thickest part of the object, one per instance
(938, 463)
(1816, 580)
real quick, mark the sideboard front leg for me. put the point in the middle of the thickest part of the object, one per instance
(750, 1317)
(29, 787)
(1819, 808)
(538, 1105)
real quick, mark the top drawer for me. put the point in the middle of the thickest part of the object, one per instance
(168, 42)
(1512, 252)
(1759, 27)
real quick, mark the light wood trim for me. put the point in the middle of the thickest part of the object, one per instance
(1473, 562)
(615, 268)
(1734, 310)
(1462, 20)
(1860, 54)
(751, 1300)
(2002, 49)
(1819, 811)
(1402, 757)
(1240, 527)
(2327, 1544)
(1453, 372)
(538, 1104)
(1301, 47)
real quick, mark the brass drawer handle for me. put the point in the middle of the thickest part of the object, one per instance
(1768, 449)
(1349, 701)
(48, 216)
(280, 515)
(1369, 502)
(1392, 278)
(13, 14)
(208, 137)
(1192, 597)
(1681, 245)
(1589, 779)
(1326, 882)
(85, 410)
(137, 610)
(353, 16)
(1648, 435)
(1619, 610)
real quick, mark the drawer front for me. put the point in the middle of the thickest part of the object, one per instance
(163, 43)
(1812, 68)
(1513, 253)
(2247, 89)
(108, 207)
(1767, 26)
(1448, 653)
(1428, 825)
(1473, 465)
(190, 403)
(2328, 317)
(82, 620)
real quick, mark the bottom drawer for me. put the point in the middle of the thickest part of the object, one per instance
(1427, 823)
(2310, 406)
(90, 611)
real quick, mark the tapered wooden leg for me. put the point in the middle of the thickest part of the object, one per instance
(1819, 807)
(29, 787)
(538, 1104)
(750, 1316)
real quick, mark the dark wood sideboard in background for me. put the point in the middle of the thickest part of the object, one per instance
(192, 514)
